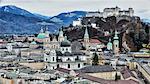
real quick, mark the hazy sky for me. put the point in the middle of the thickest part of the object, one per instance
(54, 7)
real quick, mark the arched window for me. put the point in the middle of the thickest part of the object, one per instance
(54, 46)
(68, 65)
(53, 58)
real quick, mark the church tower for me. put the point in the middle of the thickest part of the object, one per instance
(116, 44)
(86, 39)
(61, 36)
(46, 32)
(109, 45)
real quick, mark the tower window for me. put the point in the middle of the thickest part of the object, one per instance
(53, 58)
(68, 65)
(57, 65)
(78, 65)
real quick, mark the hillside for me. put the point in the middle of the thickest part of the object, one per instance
(137, 31)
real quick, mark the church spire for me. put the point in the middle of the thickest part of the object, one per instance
(86, 35)
(41, 31)
(86, 39)
(116, 35)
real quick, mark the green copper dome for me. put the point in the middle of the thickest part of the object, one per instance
(65, 43)
(33, 43)
(41, 36)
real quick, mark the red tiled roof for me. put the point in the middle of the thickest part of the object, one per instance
(94, 41)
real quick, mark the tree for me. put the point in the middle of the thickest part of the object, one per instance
(95, 59)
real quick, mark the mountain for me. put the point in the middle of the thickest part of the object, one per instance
(68, 18)
(147, 21)
(17, 20)
(18, 11)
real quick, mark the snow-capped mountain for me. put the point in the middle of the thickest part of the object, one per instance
(17, 20)
(18, 11)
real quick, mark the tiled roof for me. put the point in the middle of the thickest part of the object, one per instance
(126, 73)
(94, 41)
(96, 69)
(103, 81)
(63, 70)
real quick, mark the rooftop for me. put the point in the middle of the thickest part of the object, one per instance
(97, 69)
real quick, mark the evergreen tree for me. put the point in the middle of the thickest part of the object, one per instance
(95, 59)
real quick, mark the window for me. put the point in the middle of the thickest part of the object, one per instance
(53, 58)
(66, 49)
(78, 65)
(57, 65)
(68, 59)
(68, 65)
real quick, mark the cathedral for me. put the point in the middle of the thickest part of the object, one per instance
(58, 51)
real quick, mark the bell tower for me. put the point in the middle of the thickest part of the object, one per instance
(116, 44)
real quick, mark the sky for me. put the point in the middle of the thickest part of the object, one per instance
(54, 7)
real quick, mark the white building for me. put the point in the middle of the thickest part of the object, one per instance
(77, 22)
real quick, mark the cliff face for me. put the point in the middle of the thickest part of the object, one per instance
(133, 31)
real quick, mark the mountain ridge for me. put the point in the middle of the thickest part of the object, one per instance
(17, 20)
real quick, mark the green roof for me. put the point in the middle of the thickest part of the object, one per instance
(33, 43)
(41, 36)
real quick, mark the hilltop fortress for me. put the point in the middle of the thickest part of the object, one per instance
(116, 11)
(107, 12)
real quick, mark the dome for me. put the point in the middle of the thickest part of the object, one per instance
(41, 36)
(65, 43)
(33, 43)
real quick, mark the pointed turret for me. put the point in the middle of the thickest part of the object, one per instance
(116, 35)
(46, 32)
(86, 39)
(54, 39)
(42, 30)
(86, 35)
